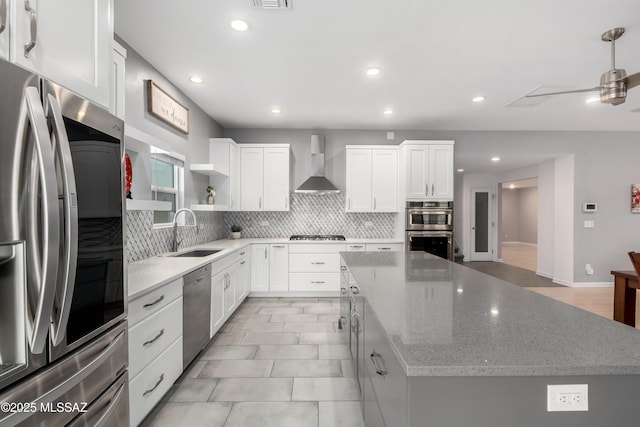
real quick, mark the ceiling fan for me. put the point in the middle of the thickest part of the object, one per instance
(613, 83)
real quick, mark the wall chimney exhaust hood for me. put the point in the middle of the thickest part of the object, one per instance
(317, 183)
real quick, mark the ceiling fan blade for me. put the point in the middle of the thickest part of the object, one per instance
(597, 88)
(633, 80)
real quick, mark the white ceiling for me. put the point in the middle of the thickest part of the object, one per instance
(434, 55)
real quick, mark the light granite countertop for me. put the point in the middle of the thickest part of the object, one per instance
(145, 275)
(444, 319)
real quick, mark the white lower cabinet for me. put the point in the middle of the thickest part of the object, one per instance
(148, 387)
(260, 268)
(229, 287)
(278, 268)
(218, 282)
(384, 247)
(155, 347)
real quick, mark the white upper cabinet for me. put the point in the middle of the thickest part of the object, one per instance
(428, 166)
(372, 179)
(5, 7)
(251, 178)
(117, 88)
(276, 179)
(224, 172)
(66, 41)
(264, 177)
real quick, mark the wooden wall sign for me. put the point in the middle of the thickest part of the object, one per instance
(167, 109)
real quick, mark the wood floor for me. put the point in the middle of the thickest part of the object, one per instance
(520, 255)
(595, 300)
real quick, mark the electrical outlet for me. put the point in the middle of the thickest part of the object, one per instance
(264, 223)
(568, 397)
(368, 224)
(588, 269)
(589, 224)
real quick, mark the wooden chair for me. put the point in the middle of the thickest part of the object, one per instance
(635, 260)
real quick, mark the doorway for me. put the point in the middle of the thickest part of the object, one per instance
(481, 224)
(519, 223)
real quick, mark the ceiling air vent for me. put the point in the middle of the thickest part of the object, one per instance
(271, 4)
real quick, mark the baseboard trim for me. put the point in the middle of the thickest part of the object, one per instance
(543, 274)
(583, 284)
(519, 243)
(293, 294)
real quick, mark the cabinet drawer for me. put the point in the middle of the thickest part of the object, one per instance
(310, 263)
(150, 303)
(153, 335)
(356, 247)
(318, 248)
(388, 379)
(385, 247)
(314, 282)
(241, 254)
(146, 389)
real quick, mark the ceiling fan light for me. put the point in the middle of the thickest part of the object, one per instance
(592, 99)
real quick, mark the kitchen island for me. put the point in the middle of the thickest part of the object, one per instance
(440, 344)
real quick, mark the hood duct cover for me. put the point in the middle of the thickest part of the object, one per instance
(317, 183)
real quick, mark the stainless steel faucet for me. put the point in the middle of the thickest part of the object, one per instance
(175, 242)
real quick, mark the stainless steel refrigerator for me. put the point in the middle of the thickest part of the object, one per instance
(63, 305)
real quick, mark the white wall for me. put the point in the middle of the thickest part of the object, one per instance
(195, 145)
(563, 220)
(546, 218)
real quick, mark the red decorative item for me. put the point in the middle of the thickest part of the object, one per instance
(128, 175)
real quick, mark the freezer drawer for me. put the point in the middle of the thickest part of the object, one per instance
(111, 409)
(76, 379)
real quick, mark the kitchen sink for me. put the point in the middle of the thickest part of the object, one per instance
(197, 253)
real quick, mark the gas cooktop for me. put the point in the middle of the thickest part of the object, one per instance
(317, 237)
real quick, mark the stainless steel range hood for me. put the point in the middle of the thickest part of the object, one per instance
(317, 183)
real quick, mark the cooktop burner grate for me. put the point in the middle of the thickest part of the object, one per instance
(317, 237)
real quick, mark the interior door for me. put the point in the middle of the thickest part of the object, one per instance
(481, 225)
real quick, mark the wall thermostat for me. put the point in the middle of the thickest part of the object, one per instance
(589, 207)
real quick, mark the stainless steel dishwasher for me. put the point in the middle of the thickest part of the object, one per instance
(196, 312)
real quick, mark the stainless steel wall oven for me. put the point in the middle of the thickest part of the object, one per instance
(429, 228)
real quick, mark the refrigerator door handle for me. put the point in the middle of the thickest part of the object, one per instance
(115, 400)
(42, 283)
(67, 275)
(3, 15)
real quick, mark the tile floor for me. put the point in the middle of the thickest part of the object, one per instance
(277, 362)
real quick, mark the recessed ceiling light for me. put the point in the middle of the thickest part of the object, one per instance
(388, 112)
(494, 311)
(512, 186)
(478, 98)
(276, 111)
(239, 25)
(460, 170)
(373, 71)
(495, 159)
(592, 99)
(195, 79)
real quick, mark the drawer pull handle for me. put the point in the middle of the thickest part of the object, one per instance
(278, 246)
(343, 291)
(151, 304)
(151, 390)
(318, 282)
(343, 268)
(317, 263)
(354, 290)
(380, 371)
(151, 341)
(357, 246)
(243, 262)
(385, 249)
(242, 253)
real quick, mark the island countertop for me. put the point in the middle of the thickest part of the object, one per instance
(443, 319)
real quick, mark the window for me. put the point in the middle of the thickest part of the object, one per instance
(167, 177)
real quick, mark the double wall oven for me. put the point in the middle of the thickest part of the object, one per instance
(429, 227)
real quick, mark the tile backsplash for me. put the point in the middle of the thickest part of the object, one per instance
(309, 214)
(313, 214)
(144, 241)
